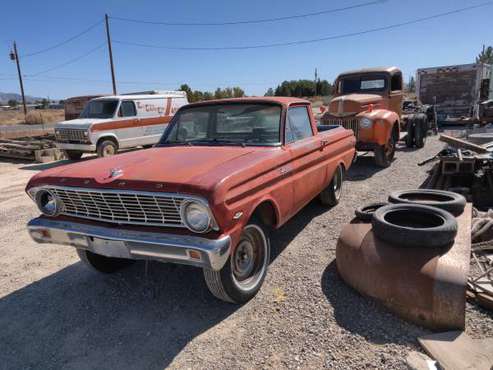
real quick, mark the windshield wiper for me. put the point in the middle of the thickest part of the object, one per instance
(216, 141)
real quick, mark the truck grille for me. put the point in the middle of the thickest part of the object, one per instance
(350, 124)
(71, 135)
(123, 207)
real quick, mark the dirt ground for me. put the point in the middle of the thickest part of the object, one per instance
(38, 116)
(57, 314)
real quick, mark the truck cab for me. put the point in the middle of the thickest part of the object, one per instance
(369, 101)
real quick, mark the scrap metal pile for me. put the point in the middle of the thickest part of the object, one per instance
(466, 168)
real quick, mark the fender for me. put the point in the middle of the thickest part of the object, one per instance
(383, 124)
(265, 199)
(95, 137)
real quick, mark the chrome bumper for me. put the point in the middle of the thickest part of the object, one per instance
(81, 147)
(184, 249)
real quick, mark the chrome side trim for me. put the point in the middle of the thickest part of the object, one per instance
(133, 244)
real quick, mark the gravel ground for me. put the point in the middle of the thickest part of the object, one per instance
(55, 313)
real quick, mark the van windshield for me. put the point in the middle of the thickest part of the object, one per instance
(99, 109)
(226, 124)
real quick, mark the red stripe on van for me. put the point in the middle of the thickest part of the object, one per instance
(134, 122)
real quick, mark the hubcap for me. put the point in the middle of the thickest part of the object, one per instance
(249, 260)
(108, 150)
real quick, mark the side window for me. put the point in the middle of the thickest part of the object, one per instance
(396, 82)
(298, 125)
(127, 109)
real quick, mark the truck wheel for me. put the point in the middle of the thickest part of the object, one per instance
(384, 154)
(244, 272)
(412, 225)
(421, 131)
(73, 154)
(107, 148)
(331, 195)
(101, 263)
(410, 133)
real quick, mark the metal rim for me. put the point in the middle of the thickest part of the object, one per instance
(109, 150)
(337, 182)
(249, 260)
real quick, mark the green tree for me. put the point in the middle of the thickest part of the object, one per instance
(270, 92)
(486, 55)
(45, 103)
(12, 103)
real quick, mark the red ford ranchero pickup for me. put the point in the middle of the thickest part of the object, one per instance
(223, 175)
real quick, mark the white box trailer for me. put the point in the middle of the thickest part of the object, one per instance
(456, 90)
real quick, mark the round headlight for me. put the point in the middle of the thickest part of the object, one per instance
(365, 122)
(196, 216)
(48, 203)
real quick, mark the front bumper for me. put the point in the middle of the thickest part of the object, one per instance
(81, 147)
(110, 242)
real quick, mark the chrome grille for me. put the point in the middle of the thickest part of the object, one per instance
(350, 124)
(71, 135)
(123, 207)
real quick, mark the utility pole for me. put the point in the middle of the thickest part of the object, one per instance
(316, 82)
(14, 55)
(110, 53)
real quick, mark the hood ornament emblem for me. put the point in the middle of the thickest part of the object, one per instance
(115, 172)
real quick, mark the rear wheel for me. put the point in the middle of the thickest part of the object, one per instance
(107, 148)
(421, 131)
(73, 154)
(410, 133)
(243, 274)
(331, 195)
(101, 263)
(384, 154)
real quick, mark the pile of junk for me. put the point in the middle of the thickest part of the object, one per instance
(422, 254)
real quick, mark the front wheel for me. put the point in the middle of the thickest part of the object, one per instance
(101, 263)
(384, 154)
(243, 274)
(107, 148)
(331, 195)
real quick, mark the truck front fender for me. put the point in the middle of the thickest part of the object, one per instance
(384, 124)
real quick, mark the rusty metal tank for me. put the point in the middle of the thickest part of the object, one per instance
(424, 285)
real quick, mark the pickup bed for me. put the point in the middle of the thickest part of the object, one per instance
(223, 175)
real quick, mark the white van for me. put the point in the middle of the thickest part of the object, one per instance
(110, 123)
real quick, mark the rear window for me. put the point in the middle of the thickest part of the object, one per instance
(298, 125)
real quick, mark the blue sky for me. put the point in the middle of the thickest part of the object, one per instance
(450, 40)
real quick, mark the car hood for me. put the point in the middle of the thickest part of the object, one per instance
(81, 123)
(352, 104)
(168, 169)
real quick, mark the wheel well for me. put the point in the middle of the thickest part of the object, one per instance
(105, 138)
(266, 213)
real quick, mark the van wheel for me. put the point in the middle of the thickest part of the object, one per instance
(73, 154)
(107, 148)
(384, 154)
(244, 272)
(101, 263)
(331, 195)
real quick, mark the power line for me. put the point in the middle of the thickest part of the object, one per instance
(309, 41)
(253, 21)
(71, 61)
(63, 42)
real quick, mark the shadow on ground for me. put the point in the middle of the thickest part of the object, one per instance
(79, 319)
(364, 316)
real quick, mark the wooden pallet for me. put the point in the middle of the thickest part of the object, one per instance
(37, 148)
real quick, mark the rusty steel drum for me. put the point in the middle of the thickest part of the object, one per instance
(424, 285)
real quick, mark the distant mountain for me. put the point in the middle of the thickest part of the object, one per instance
(5, 97)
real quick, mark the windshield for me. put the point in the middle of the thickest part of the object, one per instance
(226, 124)
(99, 109)
(357, 84)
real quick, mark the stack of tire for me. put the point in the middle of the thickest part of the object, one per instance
(415, 218)
(417, 130)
